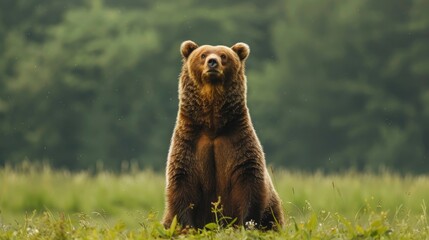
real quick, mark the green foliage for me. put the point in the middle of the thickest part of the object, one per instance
(332, 85)
(345, 93)
(221, 221)
(316, 226)
(349, 205)
(104, 195)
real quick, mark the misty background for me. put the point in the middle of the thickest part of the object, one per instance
(332, 85)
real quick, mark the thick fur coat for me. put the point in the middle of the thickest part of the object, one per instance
(214, 150)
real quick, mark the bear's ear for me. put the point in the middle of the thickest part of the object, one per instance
(242, 50)
(187, 47)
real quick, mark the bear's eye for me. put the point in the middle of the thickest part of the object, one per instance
(223, 56)
(203, 56)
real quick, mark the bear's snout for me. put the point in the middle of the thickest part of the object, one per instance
(213, 69)
(212, 63)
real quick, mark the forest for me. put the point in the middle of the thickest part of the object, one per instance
(332, 85)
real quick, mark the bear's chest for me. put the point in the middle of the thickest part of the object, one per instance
(214, 158)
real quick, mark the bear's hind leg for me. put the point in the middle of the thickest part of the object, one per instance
(272, 218)
(182, 196)
(248, 194)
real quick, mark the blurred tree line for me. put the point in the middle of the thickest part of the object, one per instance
(332, 84)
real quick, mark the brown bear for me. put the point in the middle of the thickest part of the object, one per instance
(214, 150)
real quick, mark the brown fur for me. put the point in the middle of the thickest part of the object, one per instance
(214, 149)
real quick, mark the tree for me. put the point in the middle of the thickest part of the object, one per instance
(344, 100)
(102, 85)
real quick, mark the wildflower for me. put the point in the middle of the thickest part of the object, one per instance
(251, 224)
(32, 231)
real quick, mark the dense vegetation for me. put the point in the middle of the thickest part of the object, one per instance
(37, 202)
(332, 84)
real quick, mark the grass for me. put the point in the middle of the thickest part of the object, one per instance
(39, 202)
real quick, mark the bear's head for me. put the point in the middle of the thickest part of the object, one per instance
(212, 86)
(214, 65)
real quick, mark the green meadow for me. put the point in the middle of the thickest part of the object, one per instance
(40, 202)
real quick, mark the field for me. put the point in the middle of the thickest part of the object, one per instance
(39, 202)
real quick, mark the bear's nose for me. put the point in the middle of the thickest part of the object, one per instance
(212, 62)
